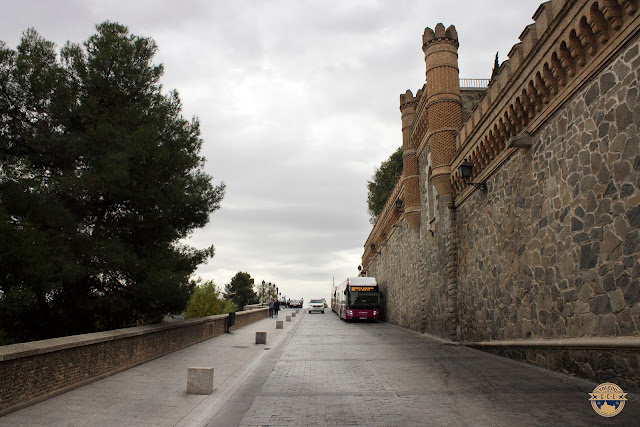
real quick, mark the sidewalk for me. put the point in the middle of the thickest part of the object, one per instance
(322, 371)
(154, 393)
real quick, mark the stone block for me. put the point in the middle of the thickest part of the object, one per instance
(297, 310)
(200, 380)
(293, 315)
(279, 324)
(288, 318)
(261, 337)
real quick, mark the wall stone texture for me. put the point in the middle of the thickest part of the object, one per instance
(619, 366)
(469, 99)
(553, 248)
(551, 252)
(398, 278)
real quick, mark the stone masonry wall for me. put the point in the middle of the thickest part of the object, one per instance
(469, 99)
(32, 371)
(434, 236)
(553, 248)
(395, 271)
(411, 269)
(543, 267)
(602, 365)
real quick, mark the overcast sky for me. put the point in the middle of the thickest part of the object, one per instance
(298, 102)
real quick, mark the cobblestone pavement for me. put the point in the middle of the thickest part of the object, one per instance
(321, 371)
(334, 373)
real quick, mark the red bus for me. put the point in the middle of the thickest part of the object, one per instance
(356, 298)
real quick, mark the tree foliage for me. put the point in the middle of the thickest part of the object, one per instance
(100, 180)
(240, 290)
(206, 301)
(384, 180)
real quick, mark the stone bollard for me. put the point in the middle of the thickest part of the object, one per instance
(297, 310)
(279, 324)
(200, 380)
(288, 318)
(261, 337)
(293, 315)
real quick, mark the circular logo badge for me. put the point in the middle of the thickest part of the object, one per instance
(607, 399)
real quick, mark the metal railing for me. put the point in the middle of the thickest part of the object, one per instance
(474, 83)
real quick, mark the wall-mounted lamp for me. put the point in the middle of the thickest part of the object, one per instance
(465, 170)
(399, 205)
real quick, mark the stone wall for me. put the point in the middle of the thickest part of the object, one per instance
(33, 371)
(434, 235)
(553, 248)
(600, 361)
(469, 99)
(551, 252)
(399, 281)
(411, 268)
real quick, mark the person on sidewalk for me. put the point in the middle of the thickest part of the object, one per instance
(276, 308)
(271, 304)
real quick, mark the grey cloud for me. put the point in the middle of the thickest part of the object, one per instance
(298, 103)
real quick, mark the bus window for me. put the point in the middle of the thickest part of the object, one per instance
(363, 299)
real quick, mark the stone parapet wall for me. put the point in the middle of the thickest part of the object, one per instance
(614, 360)
(33, 371)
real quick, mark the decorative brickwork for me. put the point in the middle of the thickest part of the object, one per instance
(410, 180)
(551, 252)
(585, 40)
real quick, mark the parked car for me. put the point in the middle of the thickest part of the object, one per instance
(316, 305)
(295, 303)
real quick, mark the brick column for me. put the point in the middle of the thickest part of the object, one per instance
(444, 104)
(410, 177)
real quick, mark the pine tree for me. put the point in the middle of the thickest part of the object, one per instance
(240, 290)
(384, 180)
(101, 179)
(496, 67)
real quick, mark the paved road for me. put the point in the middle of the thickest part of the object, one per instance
(322, 371)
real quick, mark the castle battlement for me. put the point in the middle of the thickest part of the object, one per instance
(540, 246)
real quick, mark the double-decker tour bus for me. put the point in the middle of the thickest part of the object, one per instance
(356, 298)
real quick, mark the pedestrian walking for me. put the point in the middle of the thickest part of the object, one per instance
(276, 308)
(271, 304)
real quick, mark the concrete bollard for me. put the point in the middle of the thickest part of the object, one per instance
(279, 324)
(293, 315)
(297, 310)
(200, 380)
(288, 318)
(261, 337)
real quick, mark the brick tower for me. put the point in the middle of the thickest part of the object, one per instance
(410, 177)
(440, 49)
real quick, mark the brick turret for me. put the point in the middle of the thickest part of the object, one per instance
(410, 177)
(440, 49)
